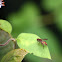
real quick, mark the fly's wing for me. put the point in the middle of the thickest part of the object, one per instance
(44, 39)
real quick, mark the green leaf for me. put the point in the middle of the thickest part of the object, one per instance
(4, 37)
(16, 55)
(46, 33)
(5, 25)
(29, 42)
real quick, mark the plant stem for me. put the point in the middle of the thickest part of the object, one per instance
(8, 42)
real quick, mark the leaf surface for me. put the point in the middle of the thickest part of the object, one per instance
(16, 55)
(29, 42)
(4, 37)
(5, 25)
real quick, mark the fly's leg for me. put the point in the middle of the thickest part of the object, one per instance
(43, 45)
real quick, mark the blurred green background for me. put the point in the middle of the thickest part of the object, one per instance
(41, 17)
